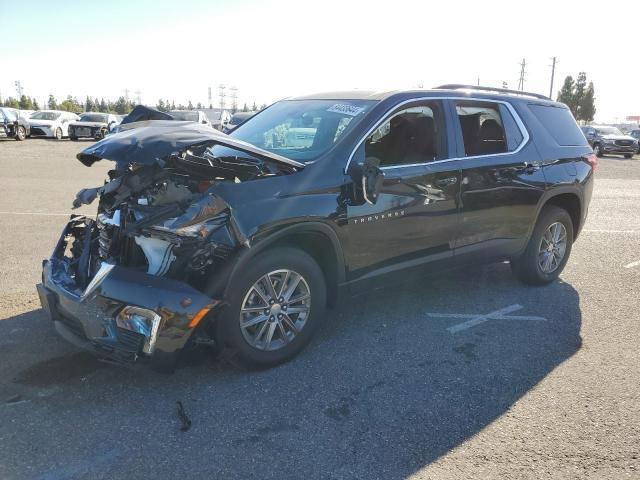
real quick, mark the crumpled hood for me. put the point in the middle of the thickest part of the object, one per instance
(149, 145)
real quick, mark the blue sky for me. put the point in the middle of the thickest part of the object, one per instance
(272, 49)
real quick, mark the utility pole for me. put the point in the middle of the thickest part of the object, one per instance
(18, 89)
(553, 72)
(221, 88)
(126, 95)
(522, 72)
(210, 102)
(138, 94)
(234, 99)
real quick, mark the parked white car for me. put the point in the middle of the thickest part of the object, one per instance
(51, 123)
(190, 116)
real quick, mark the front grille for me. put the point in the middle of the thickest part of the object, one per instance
(130, 341)
(624, 143)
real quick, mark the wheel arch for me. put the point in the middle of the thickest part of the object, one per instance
(314, 238)
(568, 199)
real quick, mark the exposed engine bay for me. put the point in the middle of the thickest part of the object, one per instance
(162, 217)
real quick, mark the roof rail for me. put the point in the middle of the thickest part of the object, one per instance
(459, 86)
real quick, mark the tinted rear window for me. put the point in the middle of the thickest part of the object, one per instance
(560, 124)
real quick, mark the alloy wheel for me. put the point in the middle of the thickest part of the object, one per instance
(275, 310)
(553, 247)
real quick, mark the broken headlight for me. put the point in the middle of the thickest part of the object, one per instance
(142, 321)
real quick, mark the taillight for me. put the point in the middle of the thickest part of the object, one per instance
(593, 161)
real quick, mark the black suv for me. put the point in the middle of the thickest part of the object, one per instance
(610, 140)
(242, 240)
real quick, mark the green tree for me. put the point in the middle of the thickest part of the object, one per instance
(25, 103)
(121, 106)
(70, 104)
(245, 108)
(160, 106)
(88, 105)
(565, 95)
(587, 109)
(12, 102)
(103, 106)
(263, 106)
(173, 105)
(35, 104)
(199, 106)
(190, 105)
(51, 103)
(254, 107)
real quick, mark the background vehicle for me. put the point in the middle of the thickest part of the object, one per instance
(92, 125)
(610, 140)
(236, 119)
(636, 134)
(13, 124)
(243, 241)
(51, 123)
(190, 116)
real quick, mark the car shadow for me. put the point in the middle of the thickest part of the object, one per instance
(383, 391)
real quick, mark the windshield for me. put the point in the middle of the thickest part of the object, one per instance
(9, 114)
(608, 131)
(45, 116)
(302, 130)
(188, 116)
(93, 117)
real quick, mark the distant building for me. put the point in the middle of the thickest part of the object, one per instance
(218, 117)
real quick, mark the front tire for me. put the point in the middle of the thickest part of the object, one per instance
(58, 133)
(597, 149)
(548, 249)
(21, 133)
(275, 306)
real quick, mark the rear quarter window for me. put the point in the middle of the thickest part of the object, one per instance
(560, 124)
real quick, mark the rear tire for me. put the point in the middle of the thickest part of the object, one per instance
(530, 268)
(21, 133)
(249, 343)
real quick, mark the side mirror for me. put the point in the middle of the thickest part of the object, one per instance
(372, 179)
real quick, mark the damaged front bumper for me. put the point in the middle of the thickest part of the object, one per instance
(119, 313)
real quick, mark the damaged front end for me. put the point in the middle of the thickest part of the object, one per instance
(132, 282)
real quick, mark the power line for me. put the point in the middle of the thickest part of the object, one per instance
(234, 98)
(221, 88)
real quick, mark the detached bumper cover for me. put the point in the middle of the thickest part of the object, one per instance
(87, 316)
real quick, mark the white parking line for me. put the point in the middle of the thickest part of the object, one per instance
(476, 319)
(632, 264)
(46, 214)
(588, 230)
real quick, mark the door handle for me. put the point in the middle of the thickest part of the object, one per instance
(445, 182)
(531, 167)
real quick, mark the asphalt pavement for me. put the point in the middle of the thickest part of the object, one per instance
(468, 375)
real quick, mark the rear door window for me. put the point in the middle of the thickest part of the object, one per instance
(560, 124)
(483, 129)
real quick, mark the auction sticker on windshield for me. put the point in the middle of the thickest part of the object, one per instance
(345, 109)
